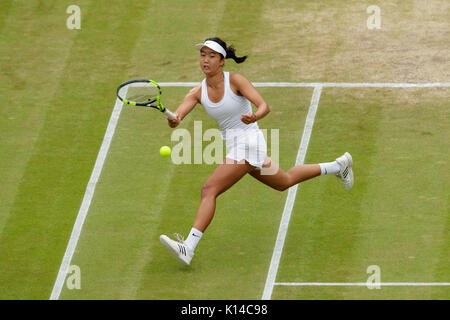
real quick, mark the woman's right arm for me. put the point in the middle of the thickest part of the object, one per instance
(190, 100)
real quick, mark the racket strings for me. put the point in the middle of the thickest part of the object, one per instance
(139, 94)
(142, 97)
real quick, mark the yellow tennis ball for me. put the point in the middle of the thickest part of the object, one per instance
(165, 151)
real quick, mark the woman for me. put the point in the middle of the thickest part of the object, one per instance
(227, 97)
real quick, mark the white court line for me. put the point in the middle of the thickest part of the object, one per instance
(360, 284)
(89, 193)
(284, 224)
(324, 84)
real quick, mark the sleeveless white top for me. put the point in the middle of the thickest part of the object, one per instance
(227, 112)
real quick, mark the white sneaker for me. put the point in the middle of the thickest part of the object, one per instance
(178, 249)
(345, 173)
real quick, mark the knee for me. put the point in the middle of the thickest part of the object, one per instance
(281, 187)
(208, 190)
(285, 184)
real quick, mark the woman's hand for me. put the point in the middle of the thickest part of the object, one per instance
(174, 122)
(248, 118)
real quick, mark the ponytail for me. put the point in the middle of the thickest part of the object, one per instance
(231, 51)
(231, 54)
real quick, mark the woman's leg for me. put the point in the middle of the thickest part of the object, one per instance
(223, 177)
(281, 180)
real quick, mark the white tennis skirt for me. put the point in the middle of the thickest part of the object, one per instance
(247, 144)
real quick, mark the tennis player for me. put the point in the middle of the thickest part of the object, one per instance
(227, 97)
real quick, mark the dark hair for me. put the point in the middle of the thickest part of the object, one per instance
(231, 52)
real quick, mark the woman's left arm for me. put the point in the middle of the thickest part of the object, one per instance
(246, 89)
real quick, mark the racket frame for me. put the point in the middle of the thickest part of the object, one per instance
(151, 103)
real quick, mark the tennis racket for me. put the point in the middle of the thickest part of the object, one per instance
(143, 93)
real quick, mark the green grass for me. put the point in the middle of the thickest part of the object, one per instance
(394, 217)
(152, 197)
(58, 91)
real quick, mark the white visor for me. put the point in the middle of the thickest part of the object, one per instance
(212, 45)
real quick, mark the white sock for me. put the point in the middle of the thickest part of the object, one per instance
(329, 167)
(193, 238)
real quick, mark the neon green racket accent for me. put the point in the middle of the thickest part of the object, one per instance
(160, 106)
(129, 102)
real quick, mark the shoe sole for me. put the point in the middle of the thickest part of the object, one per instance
(349, 158)
(172, 250)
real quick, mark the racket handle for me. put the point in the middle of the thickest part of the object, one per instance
(169, 113)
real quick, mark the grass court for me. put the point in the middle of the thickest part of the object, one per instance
(58, 96)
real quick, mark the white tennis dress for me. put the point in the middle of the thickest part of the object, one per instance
(243, 141)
